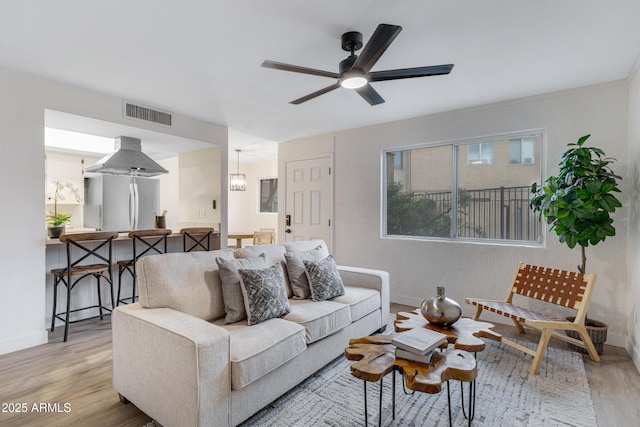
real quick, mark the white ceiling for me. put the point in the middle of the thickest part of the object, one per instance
(202, 57)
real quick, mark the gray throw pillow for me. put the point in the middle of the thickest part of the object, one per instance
(324, 280)
(297, 273)
(265, 296)
(231, 290)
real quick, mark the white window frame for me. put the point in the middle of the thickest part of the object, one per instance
(455, 145)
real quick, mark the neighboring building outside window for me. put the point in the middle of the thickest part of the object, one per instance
(480, 153)
(427, 200)
(522, 151)
(398, 161)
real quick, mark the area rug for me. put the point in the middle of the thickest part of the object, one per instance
(506, 396)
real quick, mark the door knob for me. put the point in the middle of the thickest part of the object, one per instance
(288, 230)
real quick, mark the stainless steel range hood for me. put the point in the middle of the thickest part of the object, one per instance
(128, 159)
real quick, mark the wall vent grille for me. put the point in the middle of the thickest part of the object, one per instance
(147, 114)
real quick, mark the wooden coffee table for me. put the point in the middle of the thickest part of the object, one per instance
(375, 358)
(464, 334)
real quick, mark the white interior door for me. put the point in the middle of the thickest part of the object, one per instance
(308, 204)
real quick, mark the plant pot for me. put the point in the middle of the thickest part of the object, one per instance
(55, 231)
(597, 331)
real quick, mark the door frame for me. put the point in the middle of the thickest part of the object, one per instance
(282, 194)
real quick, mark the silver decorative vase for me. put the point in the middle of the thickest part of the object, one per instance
(440, 310)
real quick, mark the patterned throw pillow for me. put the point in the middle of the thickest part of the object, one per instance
(265, 296)
(231, 292)
(297, 272)
(324, 280)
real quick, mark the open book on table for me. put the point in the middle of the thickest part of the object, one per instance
(419, 340)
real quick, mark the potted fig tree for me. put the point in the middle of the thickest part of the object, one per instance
(577, 204)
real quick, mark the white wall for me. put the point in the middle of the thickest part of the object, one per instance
(244, 215)
(169, 186)
(633, 344)
(23, 99)
(417, 267)
(199, 185)
(67, 167)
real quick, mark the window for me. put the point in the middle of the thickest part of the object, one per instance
(443, 194)
(269, 195)
(398, 161)
(480, 153)
(522, 151)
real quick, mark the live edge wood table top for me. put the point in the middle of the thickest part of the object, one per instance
(375, 357)
(464, 334)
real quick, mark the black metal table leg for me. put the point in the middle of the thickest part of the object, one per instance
(449, 402)
(380, 405)
(366, 416)
(472, 398)
(472, 404)
(393, 399)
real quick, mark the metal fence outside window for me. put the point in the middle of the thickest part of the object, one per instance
(493, 213)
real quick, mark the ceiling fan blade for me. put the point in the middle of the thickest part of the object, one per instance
(407, 73)
(315, 94)
(381, 39)
(297, 69)
(370, 95)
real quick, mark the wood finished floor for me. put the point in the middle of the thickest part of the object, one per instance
(79, 373)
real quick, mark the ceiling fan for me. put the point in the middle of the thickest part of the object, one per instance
(355, 70)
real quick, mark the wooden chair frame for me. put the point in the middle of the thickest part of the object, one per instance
(263, 238)
(559, 287)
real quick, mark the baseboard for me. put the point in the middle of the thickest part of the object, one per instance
(405, 300)
(24, 341)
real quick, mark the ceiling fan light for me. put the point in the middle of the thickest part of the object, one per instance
(353, 79)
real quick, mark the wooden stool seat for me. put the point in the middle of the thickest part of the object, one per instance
(83, 269)
(126, 262)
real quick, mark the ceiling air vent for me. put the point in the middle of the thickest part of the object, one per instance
(147, 114)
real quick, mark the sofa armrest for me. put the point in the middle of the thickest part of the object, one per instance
(173, 366)
(369, 278)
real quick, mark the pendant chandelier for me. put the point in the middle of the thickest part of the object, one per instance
(238, 182)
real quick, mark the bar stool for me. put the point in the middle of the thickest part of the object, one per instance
(143, 241)
(196, 237)
(77, 267)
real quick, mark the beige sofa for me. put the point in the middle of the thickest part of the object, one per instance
(176, 360)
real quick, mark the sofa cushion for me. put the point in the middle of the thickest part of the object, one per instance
(320, 319)
(361, 301)
(297, 273)
(324, 280)
(274, 255)
(264, 294)
(305, 245)
(187, 282)
(259, 349)
(231, 290)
